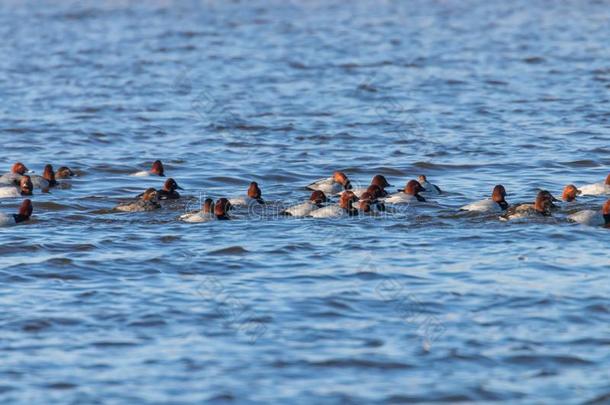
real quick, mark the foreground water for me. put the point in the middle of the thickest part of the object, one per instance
(424, 305)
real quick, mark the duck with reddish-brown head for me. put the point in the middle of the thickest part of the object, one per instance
(332, 185)
(47, 180)
(168, 192)
(23, 188)
(497, 203)
(407, 195)
(317, 199)
(253, 196)
(12, 178)
(593, 217)
(344, 208)
(378, 187)
(23, 215)
(205, 214)
(156, 169)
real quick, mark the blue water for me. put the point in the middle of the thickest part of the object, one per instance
(425, 305)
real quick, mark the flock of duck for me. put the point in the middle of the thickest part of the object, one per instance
(374, 199)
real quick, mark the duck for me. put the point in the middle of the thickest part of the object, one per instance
(253, 196)
(12, 178)
(332, 185)
(24, 188)
(64, 172)
(168, 192)
(222, 208)
(47, 180)
(24, 214)
(593, 218)
(378, 181)
(316, 201)
(430, 188)
(344, 208)
(597, 188)
(147, 201)
(409, 194)
(542, 207)
(369, 204)
(205, 214)
(497, 203)
(570, 192)
(155, 170)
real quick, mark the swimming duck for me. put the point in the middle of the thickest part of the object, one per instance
(168, 192)
(13, 177)
(597, 188)
(25, 187)
(378, 181)
(64, 172)
(344, 208)
(570, 192)
(430, 188)
(593, 218)
(24, 214)
(497, 203)
(155, 170)
(316, 201)
(148, 201)
(408, 195)
(332, 185)
(542, 207)
(205, 214)
(253, 196)
(222, 208)
(47, 180)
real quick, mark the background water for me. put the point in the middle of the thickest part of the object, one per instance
(425, 305)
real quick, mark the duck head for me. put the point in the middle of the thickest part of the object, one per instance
(157, 168)
(19, 168)
(347, 200)
(63, 173)
(171, 186)
(318, 197)
(341, 178)
(570, 192)
(208, 206)
(221, 209)
(150, 195)
(254, 191)
(413, 187)
(26, 186)
(380, 181)
(544, 202)
(49, 175)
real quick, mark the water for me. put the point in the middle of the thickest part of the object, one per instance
(425, 305)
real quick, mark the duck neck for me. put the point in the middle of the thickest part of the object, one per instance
(503, 204)
(20, 218)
